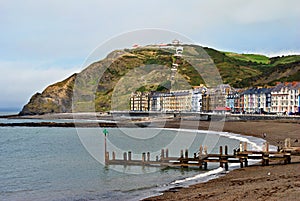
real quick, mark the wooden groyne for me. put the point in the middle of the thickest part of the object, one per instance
(202, 158)
(58, 124)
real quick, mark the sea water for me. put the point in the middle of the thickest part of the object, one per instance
(44, 163)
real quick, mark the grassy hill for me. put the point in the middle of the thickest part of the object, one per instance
(256, 58)
(149, 69)
(244, 70)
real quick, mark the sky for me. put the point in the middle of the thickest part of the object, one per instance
(45, 41)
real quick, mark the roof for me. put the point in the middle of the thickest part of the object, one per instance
(222, 109)
(289, 85)
(257, 91)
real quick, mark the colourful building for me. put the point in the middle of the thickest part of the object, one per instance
(257, 100)
(283, 98)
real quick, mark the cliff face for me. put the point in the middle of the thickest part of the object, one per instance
(56, 98)
(94, 93)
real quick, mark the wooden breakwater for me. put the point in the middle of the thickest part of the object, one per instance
(202, 158)
(59, 124)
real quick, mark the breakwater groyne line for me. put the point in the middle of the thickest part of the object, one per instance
(55, 124)
(202, 158)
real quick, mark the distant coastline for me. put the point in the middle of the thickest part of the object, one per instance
(142, 119)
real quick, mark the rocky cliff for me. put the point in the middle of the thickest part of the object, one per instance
(56, 98)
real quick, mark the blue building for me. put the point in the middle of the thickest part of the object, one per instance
(298, 101)
(257, 100)
(231, 100)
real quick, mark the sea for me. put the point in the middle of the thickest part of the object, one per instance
(66, 164)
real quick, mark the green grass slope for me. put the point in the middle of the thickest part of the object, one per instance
(257, 58)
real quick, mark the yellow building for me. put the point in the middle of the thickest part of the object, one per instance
(139, 101)
(171, 101)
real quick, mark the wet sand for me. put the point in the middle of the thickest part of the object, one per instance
(274, 182)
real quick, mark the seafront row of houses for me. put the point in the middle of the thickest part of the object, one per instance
(283, 98)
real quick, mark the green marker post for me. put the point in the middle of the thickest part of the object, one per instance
(106, 157)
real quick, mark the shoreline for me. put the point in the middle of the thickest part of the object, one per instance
(256, 182)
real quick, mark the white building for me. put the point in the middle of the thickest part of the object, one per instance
(285, 97)
(197, 94)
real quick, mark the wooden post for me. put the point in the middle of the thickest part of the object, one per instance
(241, 146)
(113, 155)
(167, 153)
(226, 153)
(205, 150)
(195, 155)
(205, 165)
(156, 158)
(287, 143)
(267, 161)
(220, 158)
(226, 166)
(125, 156)
(245, 146)
(200, 151)
(143, 157)
(241, 163)
(148, 156)
(162, 154)
(265, 158)
(246, 162)
(265, 154)
(266, 147)
(181, 153)
(287, 158)
(129, 155)
(186, 153)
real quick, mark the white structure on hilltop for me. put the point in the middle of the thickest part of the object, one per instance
(179, 51)
(175, 42)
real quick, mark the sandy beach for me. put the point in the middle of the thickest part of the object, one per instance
(274, 182)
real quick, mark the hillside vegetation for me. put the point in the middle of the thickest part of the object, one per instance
(257, 58)
(149, 69)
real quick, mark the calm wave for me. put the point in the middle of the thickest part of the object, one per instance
(52, 164)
